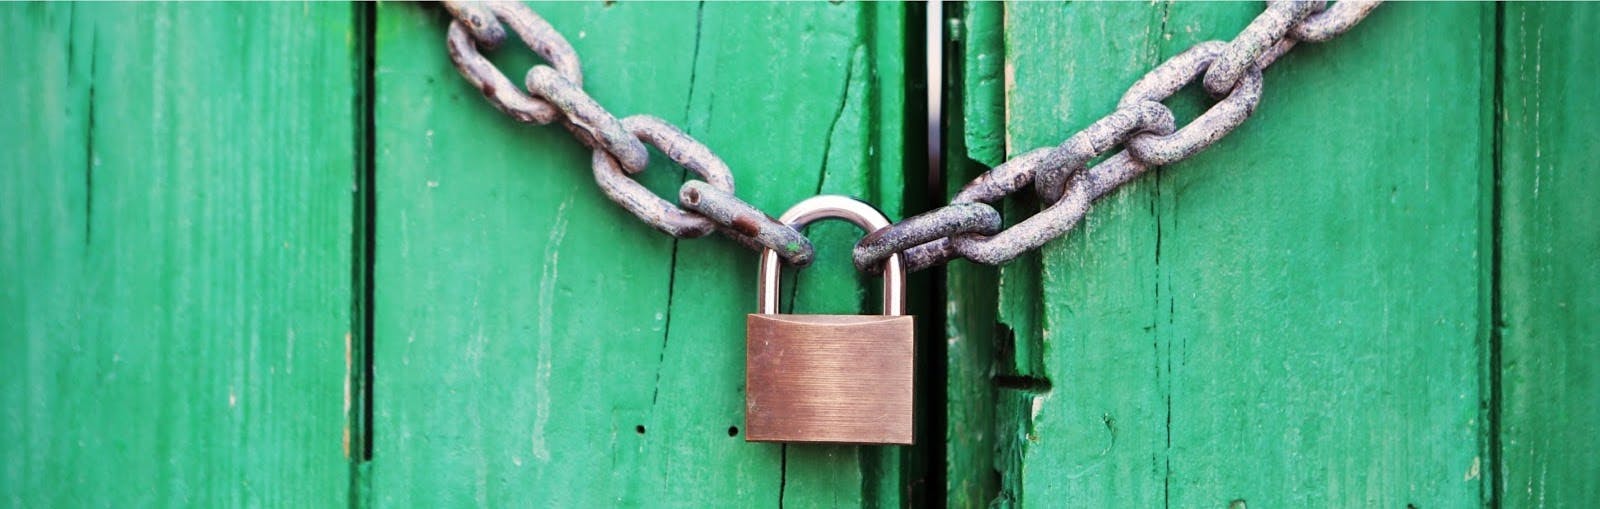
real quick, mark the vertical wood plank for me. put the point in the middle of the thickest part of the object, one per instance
(974, 141)
(175, 221)
(1292, 318)
(43, 194)
(1549, 270)
(1326, 276)
(535, 342)
(1090, 428)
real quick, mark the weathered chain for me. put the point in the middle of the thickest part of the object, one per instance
(970, 227)
(555, 92)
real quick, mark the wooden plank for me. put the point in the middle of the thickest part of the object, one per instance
(1549, 309)
(1292, 318)
(974, 91)
(535, 342)
(1353, 293)
(175, 221)
(1095, 298)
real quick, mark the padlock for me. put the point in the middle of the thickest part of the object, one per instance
(830, 378)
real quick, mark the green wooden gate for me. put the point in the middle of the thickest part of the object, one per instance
(283, 255)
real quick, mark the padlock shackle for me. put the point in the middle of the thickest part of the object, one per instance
(830, 206)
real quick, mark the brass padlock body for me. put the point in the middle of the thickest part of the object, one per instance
(829, 378)
(844, 379)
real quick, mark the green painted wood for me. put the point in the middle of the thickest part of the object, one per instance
(534, 343)
(1293, 318)
(1549, 310)
(1329, 308)
(175, 224)
(976, 62)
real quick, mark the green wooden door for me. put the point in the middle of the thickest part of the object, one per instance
(535, 342)
(175, 254)
(1373, 294)
(284, 255)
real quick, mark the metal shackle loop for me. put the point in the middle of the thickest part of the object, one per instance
(833, 207)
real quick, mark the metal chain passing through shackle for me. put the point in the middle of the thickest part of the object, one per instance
(970, 227)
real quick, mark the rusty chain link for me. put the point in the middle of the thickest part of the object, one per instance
(678, 147)
(479, 23)
(554, 92)
(970, 227)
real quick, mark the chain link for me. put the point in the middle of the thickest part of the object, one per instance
(482, 22)
(745, 223)
(678, 147)
(1240, 54)
(1141, 124)
(1332, 22)
(956, 219)
(1170, 77)
(589, 122)
(479, 24)
(554, 92)
(970, 227)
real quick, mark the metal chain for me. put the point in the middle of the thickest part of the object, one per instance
(555, 92)
(970, 227)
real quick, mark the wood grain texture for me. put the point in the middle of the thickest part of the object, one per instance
(175, 222)
(845, 379)
(975, 142)
(1345, 303)
(1292, 318)
(536, 344)
(1549, 285)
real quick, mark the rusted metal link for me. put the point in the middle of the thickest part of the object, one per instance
(746, 224)
(1010, 177)
(1141, 124)
(992, 186)
(1169, 77)
(1256, 38)
(938, 252)
(1336, 19)
(1060, 217)
(1014, 175)
(465, 36)
(497, 89)
(1109, 131)
(682, 149)
(540, 37)
(970, 226)
(953, 219)
(479, 20)
(595, 126)
(1276, 51)
(1172, 75)
(1204, 130)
